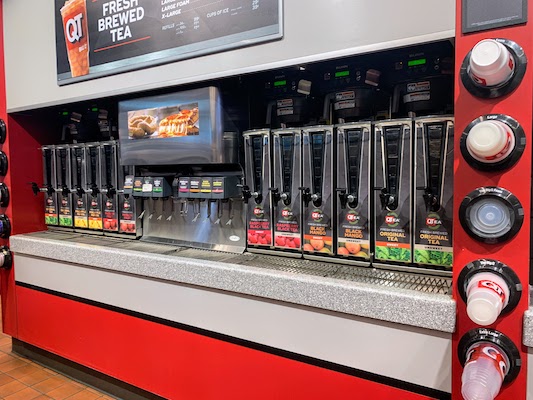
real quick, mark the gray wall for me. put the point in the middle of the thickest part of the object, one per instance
(314, 29)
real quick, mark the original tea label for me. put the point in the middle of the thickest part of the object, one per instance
(393, 241)
(433, 244)
(50, 210)
(65, 211)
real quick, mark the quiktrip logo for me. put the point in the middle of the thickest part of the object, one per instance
(317, 215)
(287, 214)
(392, 219)
(433, 221)
(352, 217)
(259, 212)
(73, 29)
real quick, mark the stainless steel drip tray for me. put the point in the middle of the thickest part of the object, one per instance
(394, 296)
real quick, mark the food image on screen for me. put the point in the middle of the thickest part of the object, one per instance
(164, 122)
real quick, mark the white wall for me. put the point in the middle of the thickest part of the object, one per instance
(314, 29)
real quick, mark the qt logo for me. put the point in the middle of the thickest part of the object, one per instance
(259, 212)
(287, 214)
(433, 221)
(392, 220)
(352, 217)
(317, 215)
(73, 29)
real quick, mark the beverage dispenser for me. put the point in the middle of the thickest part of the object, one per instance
(393, 199)
(433, 182)
(129, 207)
(109, 154)
(286, 183)
(257, 189)
(353, 192)
(94, 187)
(317, 191)
(63, 188)
(80, 199)
(51, 209)
(187, 180)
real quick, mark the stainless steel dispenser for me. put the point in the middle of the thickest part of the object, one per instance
(64, 183)
(286, 193)
(256, 190)
(79, 184)
(433, 174)
(393, 198)
(94, 187)
(317, 191)
(51, 209)
(109, 160)
(353, 192)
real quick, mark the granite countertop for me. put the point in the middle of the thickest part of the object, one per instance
(528, 327)
(382, 295)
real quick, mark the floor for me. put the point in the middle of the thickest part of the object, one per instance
(22, 379)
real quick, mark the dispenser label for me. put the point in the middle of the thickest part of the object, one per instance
(287, 232)
(80, 213)
(393, 242)
(318, 236)
(65, 211)
(259, 227)
(50, 210)
(342, 105)
(127, 216)
(110, 215)
(433, 243)
(353, 237)
(95, 214)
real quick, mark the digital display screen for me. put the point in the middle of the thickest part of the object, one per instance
(414, 63)
(481, 15)
(342, 74)
(280, 83)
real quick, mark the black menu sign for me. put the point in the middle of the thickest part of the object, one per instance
(95, 38)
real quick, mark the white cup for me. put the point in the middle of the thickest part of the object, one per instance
(491, 64)
(487, 294)
(482, 376)
(490, 141)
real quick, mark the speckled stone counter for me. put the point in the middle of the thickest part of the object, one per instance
(313, 285)
(528, 327)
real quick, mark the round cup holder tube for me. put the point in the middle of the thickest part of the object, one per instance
(491, 92)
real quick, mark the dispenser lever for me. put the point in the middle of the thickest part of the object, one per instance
(306, 195)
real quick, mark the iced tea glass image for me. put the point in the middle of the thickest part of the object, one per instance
(74, 16)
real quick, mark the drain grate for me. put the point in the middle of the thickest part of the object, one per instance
(291, 265)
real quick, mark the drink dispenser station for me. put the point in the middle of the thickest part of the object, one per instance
(94, 186)
(317, 191)
(109, 178)
(80, 197)
(186, 186)
(48, 188)
(63, 188)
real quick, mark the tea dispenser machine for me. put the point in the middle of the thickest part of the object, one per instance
(51, 209)
(392, 185)
(353, 192)
(257, 189)
(433, 175)
(286, 192)
(94, 186)
(109, 178)
(317, 191)
(63, 188)
(80, 197)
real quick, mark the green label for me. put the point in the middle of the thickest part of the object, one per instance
(50, 220)
(393, 253)
(434, 257)
(65, 221)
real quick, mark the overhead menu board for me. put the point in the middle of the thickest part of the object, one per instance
(95, 38)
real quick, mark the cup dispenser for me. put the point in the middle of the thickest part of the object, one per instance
(256, 190)
(109, 160)
(317, 191)
(63, 185)
(353, 192)
(433, 174)
(79, 184)
(286, 183)
(392, 183)
(94, 187)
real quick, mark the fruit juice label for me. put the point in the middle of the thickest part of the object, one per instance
(127, 215)
(259, 225)
(353, 188)
(317, 181)
(95, 213)
(81, 217)
(110, 214)
(434, 191)
(392, 199)
(287, 234)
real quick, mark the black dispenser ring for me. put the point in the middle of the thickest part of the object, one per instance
(490, 197)
(495, 337)
(507, 87)
(505, 163)
(495, 267)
